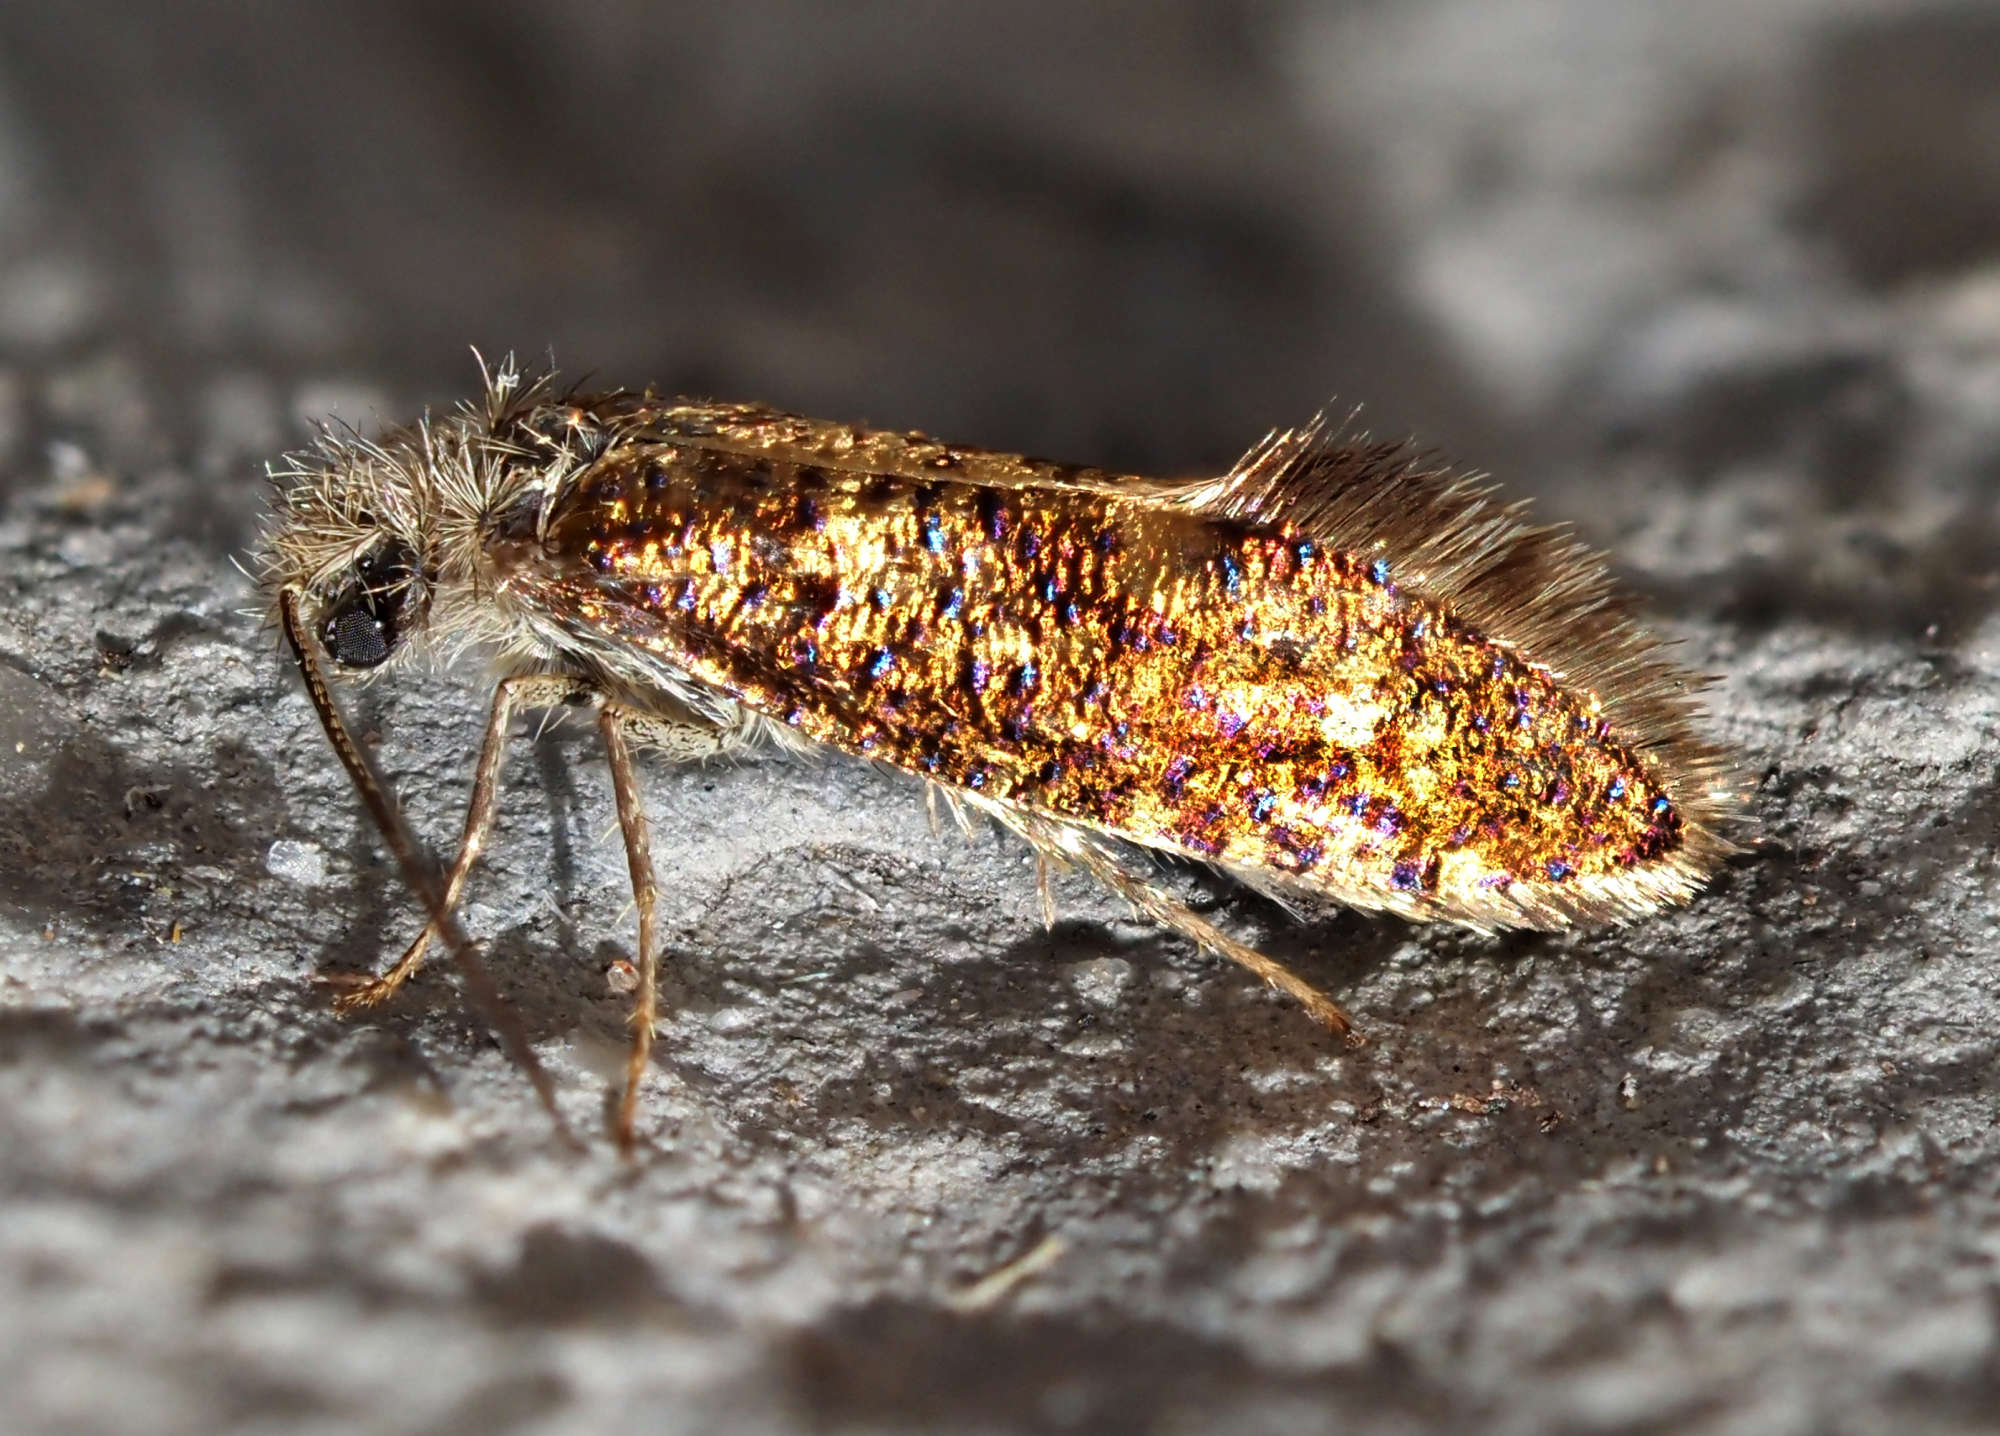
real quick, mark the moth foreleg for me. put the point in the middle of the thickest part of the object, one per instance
(1152, 901)
(510, 695)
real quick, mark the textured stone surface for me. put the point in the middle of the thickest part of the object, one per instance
(1720, 283)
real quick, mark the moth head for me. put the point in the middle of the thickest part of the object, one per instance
(374, 605)
(354, 535)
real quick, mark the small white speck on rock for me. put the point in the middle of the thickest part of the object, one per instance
(297, 862)
(1101, 981)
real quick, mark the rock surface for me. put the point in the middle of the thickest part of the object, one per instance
(1718, 283)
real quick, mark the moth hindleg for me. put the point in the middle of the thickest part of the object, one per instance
(1043, 894)
(1152, 901)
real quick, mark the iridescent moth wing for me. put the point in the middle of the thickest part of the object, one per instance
(1335, 675)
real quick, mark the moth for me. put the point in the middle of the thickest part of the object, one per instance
(1338, 673)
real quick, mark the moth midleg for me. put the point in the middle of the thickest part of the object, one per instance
(682, 736)
(1151, 900)
(525, 690)
(611, 722)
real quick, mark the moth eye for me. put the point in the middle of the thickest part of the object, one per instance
(356, 638)
(367, 618)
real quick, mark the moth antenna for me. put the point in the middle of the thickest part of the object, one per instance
(418, 866)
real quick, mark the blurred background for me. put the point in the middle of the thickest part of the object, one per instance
(1141, 233)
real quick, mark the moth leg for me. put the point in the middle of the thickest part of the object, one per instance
(1149, 899)
(527, 690)
(683, 737)
(680, 736)
(639, 858)
(1042, 893)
